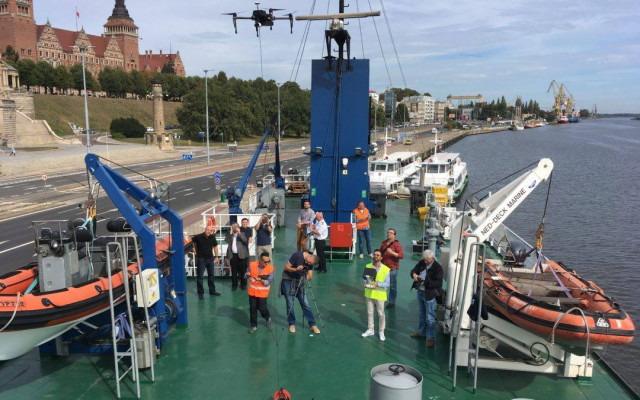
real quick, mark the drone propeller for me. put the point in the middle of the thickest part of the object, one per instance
(275, 9)
(235, 16)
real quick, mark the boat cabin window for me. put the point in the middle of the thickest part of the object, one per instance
(379, 167)
(432, 169)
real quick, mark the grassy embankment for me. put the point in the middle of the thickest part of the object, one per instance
(58, 111)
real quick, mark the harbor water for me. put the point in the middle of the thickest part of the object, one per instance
(593, 212)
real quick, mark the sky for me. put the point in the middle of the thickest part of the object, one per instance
(490, 47)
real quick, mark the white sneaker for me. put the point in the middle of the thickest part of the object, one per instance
(361, 256)
(368, 332)
(382, 336)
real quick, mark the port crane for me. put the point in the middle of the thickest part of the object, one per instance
(563, 99)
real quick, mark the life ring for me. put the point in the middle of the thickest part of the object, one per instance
(430, 159)
(281, 394)
(211, 220)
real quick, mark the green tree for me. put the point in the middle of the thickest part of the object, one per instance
(129, 127)
(140, 85)
(406, 92)
(10, 56)
(29, 74)
(379, 116)
(62, 78)
(402, 114)
(76, 73)
(168, 68)
(46, 75)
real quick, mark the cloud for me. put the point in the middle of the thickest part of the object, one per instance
(491, 47)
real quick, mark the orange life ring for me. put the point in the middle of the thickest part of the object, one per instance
(281, 394)
(211, 220)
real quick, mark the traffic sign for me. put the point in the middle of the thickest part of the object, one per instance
(217, 187)
(44, 178)
(216, 181)
(216, 174)
(187, 157)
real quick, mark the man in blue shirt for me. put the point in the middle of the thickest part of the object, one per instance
(296, 271)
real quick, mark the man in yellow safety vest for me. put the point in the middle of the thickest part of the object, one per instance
(376, 281)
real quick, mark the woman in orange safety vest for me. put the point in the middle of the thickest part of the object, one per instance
(259, 274)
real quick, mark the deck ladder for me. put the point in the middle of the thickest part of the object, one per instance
(119, 260)
(473, 350)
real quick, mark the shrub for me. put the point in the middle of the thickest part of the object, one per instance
(129, 127)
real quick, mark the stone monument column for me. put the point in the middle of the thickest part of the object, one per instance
(158, 113)
(163, 139)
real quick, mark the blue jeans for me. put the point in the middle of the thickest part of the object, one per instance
(426, 316)
(292, 292)
(393, 288)
(364, 234)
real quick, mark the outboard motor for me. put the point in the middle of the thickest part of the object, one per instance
(57, 256)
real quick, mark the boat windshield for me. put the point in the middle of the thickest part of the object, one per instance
(436, 168)
(379, 167)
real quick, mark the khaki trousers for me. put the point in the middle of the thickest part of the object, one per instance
(380, 305)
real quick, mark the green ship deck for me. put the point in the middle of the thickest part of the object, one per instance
(215, 357)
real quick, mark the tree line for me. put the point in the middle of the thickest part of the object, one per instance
(242, 108)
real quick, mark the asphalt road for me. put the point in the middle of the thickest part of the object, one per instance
(17, 235)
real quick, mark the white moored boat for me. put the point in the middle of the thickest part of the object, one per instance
(442, 170)
(392, 170)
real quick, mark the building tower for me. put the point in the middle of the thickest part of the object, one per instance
(121, 26)
(18, 27)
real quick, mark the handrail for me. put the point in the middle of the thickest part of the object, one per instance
(584, 319)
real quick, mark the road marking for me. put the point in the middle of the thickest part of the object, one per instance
(3, 242)
(16, 247)
(204, 190)
(188, 194)
(63, 211)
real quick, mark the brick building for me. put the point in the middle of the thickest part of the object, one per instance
(117, 47)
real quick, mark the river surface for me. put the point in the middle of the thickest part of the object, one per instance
(593, 213)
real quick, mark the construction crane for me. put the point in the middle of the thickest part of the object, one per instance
(563, 99)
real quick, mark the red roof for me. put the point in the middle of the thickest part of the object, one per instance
(155, 62)
(68, 39)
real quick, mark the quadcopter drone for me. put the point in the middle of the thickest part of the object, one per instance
(262, 18)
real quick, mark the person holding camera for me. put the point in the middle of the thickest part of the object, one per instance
(298, 269)
(427, 279)
(237, 256)
(263, 235)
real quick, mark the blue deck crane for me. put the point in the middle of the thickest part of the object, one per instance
(235, 194)
(148, 208)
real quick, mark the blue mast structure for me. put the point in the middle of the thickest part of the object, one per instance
(339, 147)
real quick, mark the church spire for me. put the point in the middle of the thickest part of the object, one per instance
(120, 11)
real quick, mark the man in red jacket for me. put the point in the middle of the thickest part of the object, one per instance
(391, 255)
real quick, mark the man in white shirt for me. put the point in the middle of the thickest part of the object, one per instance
(320, 232)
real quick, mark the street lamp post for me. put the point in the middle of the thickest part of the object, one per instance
(206, 97)
(86, 106)
(279, 128)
